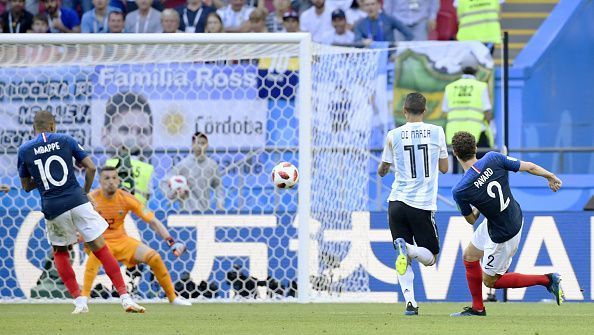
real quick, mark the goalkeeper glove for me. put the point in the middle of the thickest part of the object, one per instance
(177, 248)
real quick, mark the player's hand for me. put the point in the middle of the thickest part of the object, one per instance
(554, 183)
(177, 248)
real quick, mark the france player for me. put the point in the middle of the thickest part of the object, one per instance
(418, 150)
(46, 163)
(485, 186)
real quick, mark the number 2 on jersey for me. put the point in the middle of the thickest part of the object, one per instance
(413, 166)
(495, 184)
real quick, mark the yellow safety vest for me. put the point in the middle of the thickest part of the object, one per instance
(466, 112)
(479, 21)
(141, 174)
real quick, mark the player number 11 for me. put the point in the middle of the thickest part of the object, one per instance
(413, 166)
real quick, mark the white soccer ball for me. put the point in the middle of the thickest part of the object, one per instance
(178, 185)
(285, 175)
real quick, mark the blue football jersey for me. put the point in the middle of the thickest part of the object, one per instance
(486, 187)
(48, 158)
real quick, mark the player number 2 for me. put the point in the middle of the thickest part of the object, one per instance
(495, 184)
(46, 174)
(413, 165)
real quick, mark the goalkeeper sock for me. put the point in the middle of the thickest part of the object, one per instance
(515, 280)
(474, 277)
(407, 286)
(421, 254)
(112, 269)
(62, 261)
(154, 260)
(91, 269)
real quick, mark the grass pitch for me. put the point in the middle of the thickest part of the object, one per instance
(268, 319)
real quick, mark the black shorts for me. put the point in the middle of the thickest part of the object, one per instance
(412, 223)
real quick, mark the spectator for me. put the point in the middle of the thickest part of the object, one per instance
(354, 14)
(95, 20)
(340, 35)
(61, 19)
(317, 20)
(418, 15)
(236, 16)
(378, 26)
(40, 25)
(202, 175)
(17, 20)
(144, 20)
(193, 16)
(131, 5)
(32, 6)
(214, 24)
(468, 107)
(170, 21)
(274, 21)
(258, 20)
(116, 22)
(291, 22)
(479, 21)
(85, 5)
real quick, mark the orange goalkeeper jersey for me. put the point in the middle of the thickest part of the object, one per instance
(114, 211)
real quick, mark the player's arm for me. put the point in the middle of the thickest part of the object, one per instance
(473, 216)
(470, 213)
(537, 170)
(443, 164)
(387, 158)
(28, 184)
(90, 170)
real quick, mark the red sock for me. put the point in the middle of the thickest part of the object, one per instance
(474, 277)
(514, 280)
(112, 269)
(62, 261)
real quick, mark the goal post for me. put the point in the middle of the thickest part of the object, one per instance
(260, 99)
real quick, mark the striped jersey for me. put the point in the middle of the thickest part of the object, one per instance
(415, 149)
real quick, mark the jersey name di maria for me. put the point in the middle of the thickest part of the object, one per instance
(48, 158)
(486, 187)
(415, 149)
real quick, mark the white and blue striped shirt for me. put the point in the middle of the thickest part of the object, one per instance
(415, 149)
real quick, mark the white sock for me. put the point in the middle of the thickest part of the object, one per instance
(406, 285)
(125, 296)
(422, 255)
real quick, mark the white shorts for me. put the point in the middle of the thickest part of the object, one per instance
(497, 256)
(61, 231)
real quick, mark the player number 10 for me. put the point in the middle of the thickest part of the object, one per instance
(45, 172)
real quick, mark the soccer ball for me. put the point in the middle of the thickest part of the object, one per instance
(178, 185)
(285, 175)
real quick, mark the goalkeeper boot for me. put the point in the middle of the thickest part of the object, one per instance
(469, 311)
(80, 305)
(179, 301)
(130, 306)
(402, 259)
(410, 310)
(555, 287)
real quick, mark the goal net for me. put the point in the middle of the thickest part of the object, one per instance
(142, 105)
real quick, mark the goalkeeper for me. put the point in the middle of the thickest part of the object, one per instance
(114, 204)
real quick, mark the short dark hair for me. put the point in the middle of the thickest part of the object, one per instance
(43, 120)
(41, 17)
(469, 70)
(198, 135)
(107, 168)
(125, 101)
(464, 145)
(116, 12)
(415, 103)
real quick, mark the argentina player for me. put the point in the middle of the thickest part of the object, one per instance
(485, 186)
(418, 151)
(46, 163)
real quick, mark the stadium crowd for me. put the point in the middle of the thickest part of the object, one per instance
(329, 21)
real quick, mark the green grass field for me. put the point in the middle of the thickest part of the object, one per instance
(268, 319)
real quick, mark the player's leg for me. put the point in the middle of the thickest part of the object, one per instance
(147, 255)
(401, 235)
(426, 247)
(61, 234)
(474, 273)
(496, 262)
(91, 226)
